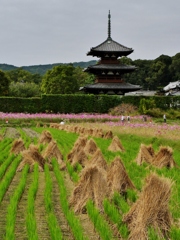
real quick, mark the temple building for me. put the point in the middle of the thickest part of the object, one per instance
(109, 71)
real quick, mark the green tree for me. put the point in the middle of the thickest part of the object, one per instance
(4, 84)
(24, 89)
(175, 67)
(60, 80)
(82, 77)
(20, 75)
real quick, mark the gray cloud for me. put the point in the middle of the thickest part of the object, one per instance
(44, 32)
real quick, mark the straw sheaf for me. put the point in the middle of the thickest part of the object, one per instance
(117, 177)
(164, 158)
(61, 127)
(98, 160)
(30, 161)
(38, 125)
(116, 145)
(90, 147)
(108, 134)
(52, 151)
(92, 185)
(45, 137)
(78, 146)
(97, 133)
(17, 146)
(32, 155)
(80, 157)
(146, 154)
(54, 125)
(151, 209)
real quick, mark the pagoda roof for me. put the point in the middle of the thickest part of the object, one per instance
(110, 46)
(123, 86)
(111, 67)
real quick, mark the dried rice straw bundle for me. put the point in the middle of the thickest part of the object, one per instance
(54, 125)
(52, 151)
(80, 157)
(18, 146)
(117, 178)
(151, 209)
(108, 134)
(146, 154)
(92, 185)
(164, 158)
(78, 146)
(98, 160)
(45, 137)
(90, 147)
(32, 153)
(116, 145)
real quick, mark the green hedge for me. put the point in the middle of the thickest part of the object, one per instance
(69, 103)
(66, 103)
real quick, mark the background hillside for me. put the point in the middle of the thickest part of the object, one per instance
(42, 69)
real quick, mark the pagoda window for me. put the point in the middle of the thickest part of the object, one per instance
(110, 73)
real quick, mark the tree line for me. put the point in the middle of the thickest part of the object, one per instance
(154, 74)
(68, 78)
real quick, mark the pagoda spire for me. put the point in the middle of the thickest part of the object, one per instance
(109, 26)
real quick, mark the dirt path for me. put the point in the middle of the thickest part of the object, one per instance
(11, 133)
(40, 211)
(31, 133)
(5, 202)
(58, 211)
(86, 223)
(20, 227)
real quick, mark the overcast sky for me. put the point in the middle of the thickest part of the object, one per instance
(61, 31)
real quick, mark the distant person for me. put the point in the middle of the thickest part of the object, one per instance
(128, 118)
(144, 118)
(164, 117)
(62, 122)
(122, 118)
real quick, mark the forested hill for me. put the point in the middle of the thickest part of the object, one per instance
(42, 69)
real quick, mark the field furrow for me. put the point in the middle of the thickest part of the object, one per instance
(5, 202)
(20, 226)
(58, 211)
(86, 223)
(40, 212)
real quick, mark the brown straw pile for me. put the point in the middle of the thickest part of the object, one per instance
(45, 137)
(17, 146)
(31, 156)
(92, 185)
(116, 145)
(80, 157)
(146, 154)
(117, 178)
(151, 209)
(78, 146)
(108, 134)
(164, 158)
(98, 160)
(52, 151)
(90, 147)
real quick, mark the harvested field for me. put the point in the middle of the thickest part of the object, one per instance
(141, 204)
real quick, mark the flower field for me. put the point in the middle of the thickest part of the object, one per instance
(72, 181)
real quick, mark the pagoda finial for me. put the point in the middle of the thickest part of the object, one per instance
(109, 26)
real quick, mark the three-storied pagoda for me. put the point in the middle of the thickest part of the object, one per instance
(109, 71)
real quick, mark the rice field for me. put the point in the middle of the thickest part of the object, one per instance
(75, 182)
